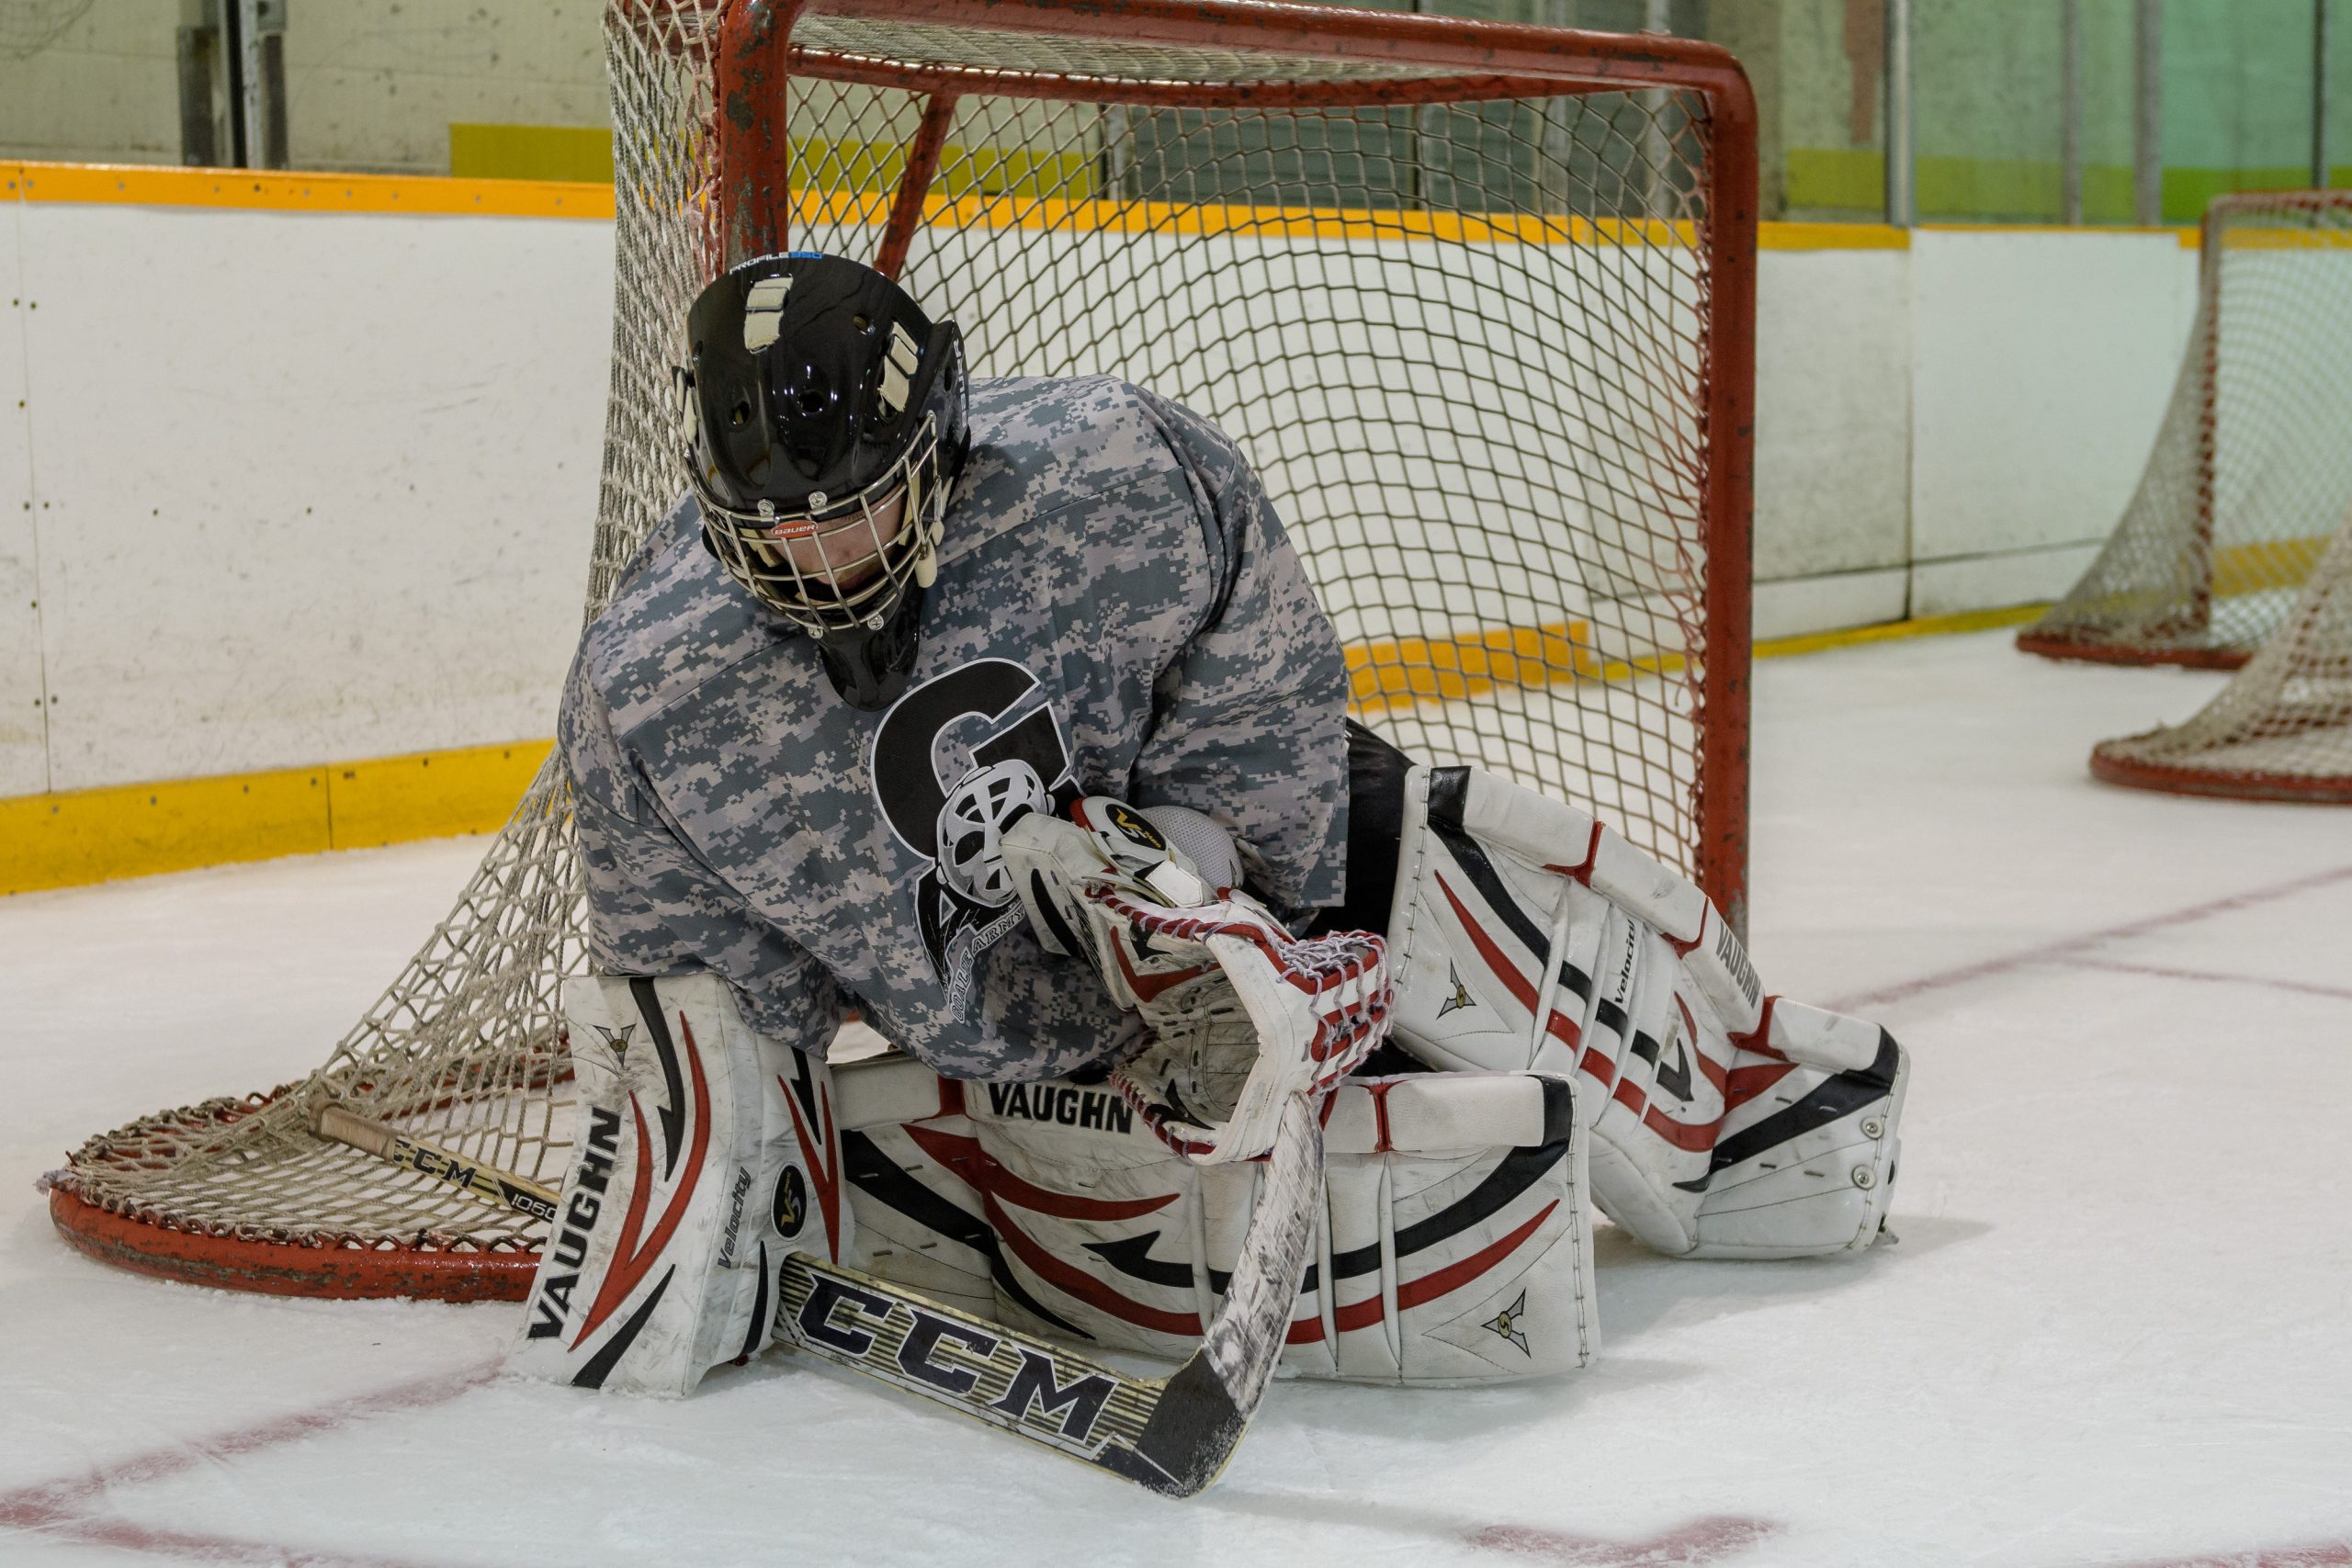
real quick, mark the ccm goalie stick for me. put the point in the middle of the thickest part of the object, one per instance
(1314, 1008)
(1171, 1435)
(337, 1124)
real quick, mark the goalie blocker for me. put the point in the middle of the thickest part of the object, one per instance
(1725, 1123)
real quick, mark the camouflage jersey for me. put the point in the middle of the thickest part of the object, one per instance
(1117, 612)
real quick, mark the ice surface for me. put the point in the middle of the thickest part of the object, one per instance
(2117, 1327)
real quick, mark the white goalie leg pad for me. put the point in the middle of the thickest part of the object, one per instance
(1460, 1240)
(1527, 935)
(1454, 1243)
(1805, 1161)
(706, 1155)
(1485, 878)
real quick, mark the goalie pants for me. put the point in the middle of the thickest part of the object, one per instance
(1377, 775)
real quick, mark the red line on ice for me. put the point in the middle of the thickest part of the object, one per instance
(2165, 972)
(2326, 1555)
(2049, 952)
(61, 1509)
(1701, 1541)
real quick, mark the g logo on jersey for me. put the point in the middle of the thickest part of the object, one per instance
(955, 761)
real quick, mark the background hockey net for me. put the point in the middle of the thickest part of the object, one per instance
(1476, 301)
(2282, 728)
(2252, 466)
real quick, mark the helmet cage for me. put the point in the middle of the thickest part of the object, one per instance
(825, 590)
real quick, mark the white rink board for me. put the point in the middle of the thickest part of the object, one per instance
(2043, 361)
(1833, 426)
(314, 486)
(434, 389)
(24, 751)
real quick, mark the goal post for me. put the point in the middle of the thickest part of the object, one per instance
(1476, 301)
(2252, 465)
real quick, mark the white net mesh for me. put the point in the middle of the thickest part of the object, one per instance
(2282, 728)
(2253, 464)
(1467, 344)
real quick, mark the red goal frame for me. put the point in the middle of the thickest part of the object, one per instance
(753, 55)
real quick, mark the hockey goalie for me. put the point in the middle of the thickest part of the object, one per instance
(1001, 713)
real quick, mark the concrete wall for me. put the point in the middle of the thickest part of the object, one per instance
(368, 86)
(377, 86)
(104, 86)
(277, 487)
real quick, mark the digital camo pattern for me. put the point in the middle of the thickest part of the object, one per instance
(1117, 612)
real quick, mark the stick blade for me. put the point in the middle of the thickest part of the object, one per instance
(1190, 1438)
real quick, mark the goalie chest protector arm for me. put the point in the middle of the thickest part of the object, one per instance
(1725, 1123)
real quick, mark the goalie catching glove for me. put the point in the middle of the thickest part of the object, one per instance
(1241, 1015)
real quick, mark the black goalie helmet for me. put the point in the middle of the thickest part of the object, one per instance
(825, 417)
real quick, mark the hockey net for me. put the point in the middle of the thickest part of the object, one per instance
(2282, 728)
(1476, 301)
(2252, 465)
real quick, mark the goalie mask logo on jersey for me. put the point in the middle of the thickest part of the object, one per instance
(955, 761)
